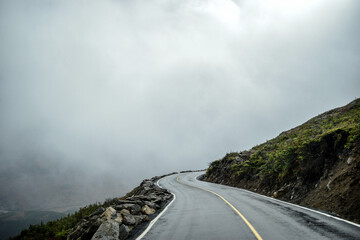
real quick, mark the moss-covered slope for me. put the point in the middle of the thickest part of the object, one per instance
(303, 163)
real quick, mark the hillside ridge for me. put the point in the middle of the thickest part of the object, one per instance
(316, 164)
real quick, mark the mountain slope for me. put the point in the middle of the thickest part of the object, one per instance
(316, 164)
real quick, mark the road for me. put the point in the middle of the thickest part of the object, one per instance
(203, 210)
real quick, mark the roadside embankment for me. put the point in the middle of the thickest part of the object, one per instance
(316, 164)
(125, 215)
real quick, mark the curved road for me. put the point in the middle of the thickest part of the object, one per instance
(205, 210)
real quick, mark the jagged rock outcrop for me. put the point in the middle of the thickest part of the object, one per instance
(119, 220)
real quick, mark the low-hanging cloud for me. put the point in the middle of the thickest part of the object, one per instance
(97, 95)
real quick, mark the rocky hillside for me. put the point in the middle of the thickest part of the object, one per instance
(118, 218)
(316, 164)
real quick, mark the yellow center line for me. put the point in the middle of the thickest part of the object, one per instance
(237, 211)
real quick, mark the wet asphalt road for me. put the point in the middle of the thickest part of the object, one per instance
(199, 214)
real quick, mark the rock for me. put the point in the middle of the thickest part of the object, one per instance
(141, 218)
(155, 198)
(166, 197)
(129, 219)
(328, 185)
(118, 218)
(98, 211)
(152, 204)
(124, 212)
(130, 200)
(120, 201)
(123, 232)
(279, 193)
(109, 213)
(147, 210)
(139, 197)
(117, 221)
(85, 229)
(147, 183)
(133, 208)
(94, 218)
(292, 195)
(108, 230)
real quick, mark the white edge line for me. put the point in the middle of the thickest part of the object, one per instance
(157, 217)
(291, 204)
(157, 183)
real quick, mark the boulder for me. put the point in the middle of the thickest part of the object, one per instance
(133, 208)
(124, 212)
(141, 218)
(120, 201)
(166, 197)
(139, 197)
(118, 218)
(147, 183)
(109, 213)
(108, 230)
(152, 204)
(279, 193)
(129, 219)
(155, 198)
(123, 232)
(147, 210)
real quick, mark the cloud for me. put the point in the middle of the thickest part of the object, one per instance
(95, 96)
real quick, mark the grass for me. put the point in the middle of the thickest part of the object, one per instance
(59, 229)
(292, 153)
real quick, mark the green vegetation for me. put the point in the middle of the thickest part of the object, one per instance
(293, 152)
(13, 222)
(56, 230)
(213, 165)
(59, 229)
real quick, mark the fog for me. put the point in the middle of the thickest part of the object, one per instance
(97, 95)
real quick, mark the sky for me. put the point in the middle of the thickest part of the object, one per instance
(97, 95)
